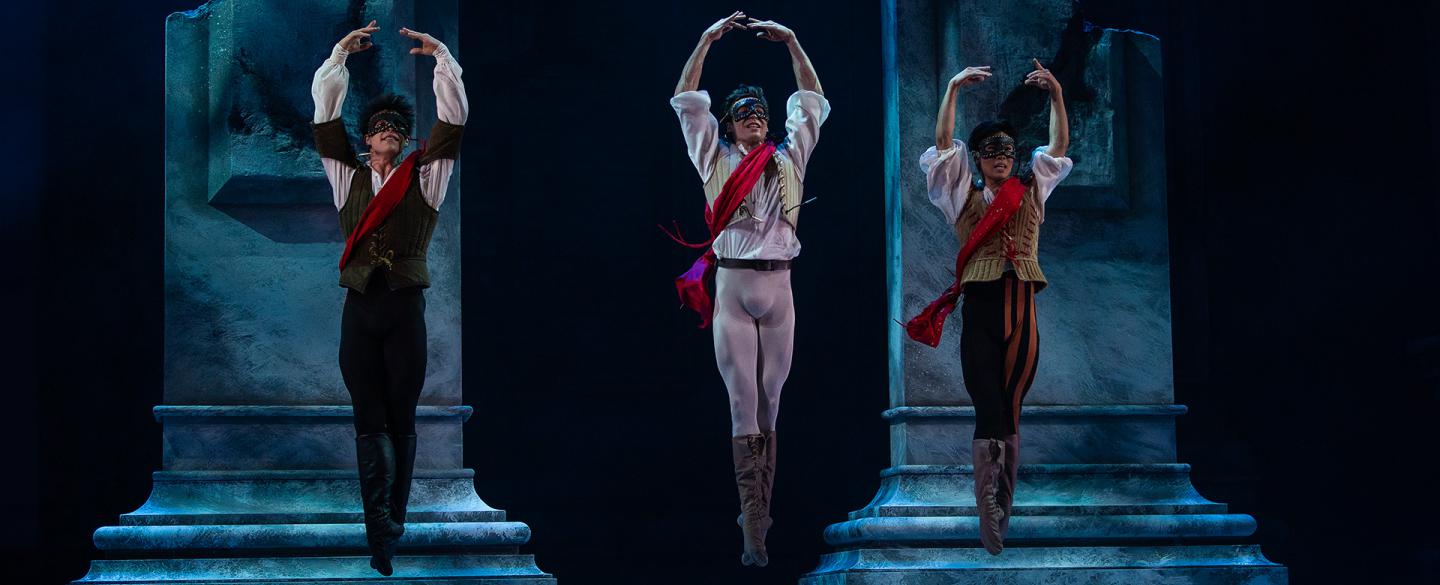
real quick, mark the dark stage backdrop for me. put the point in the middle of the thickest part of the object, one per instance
(1303, 218)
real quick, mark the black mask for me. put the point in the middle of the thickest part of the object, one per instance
(746, 108)
(388, 120)
(996, 146)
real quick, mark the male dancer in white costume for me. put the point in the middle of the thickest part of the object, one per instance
(753, 190)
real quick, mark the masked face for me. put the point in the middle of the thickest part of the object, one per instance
(750, 120)
(995, 155)
(387, 133)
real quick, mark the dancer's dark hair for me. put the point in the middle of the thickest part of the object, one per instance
(388, 102)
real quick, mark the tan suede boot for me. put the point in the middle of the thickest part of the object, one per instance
(767, 484)
(989, 458)
(1006, 494)
(748, 453)
(769, 476)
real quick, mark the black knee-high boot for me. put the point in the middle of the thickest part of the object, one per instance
(375, 454)
(404, 476)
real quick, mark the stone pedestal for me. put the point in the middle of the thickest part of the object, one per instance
(1101, 497)
(259, 483)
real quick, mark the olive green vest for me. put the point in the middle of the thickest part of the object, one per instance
(791, 189)
(398, 248)
(1022, 232)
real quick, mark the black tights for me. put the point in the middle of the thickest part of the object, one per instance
(382, 356)
(999, 348)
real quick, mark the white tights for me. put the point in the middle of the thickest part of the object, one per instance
(754, 332)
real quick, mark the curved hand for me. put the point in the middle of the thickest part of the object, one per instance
(723, 26)
(945, 118)
(1059, 122)
(359, 39)
(771, 30)
(428, 44)
(690, 75)
(971, 76)
(804, 70)
(1042, 78)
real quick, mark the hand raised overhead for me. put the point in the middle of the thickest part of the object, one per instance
(1042, 78)
(359, 39)
(428, 44)
(771, 30)
(723, 26)
(971, 76)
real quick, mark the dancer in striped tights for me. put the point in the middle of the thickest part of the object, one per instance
(997, 220)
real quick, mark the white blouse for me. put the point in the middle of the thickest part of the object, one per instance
(765, 235)
(947, 178)
(332, 82)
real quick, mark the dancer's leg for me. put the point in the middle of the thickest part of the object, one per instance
(777, 342)
(405, 360)
(982, 362)
(982, 357)
(737, 344)
(1021, 358)
(361, 362)
(737, 349)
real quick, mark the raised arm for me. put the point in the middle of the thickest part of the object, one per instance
(328, 89)
(690, 76)
(452, 108)
(805, 77)
(451, 105)
(1059, 122)
(945, 118)
(332, 80)
(946, 165)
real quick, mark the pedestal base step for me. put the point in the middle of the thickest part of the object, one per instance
(1197, 565)
(1075, 529)
(161, 539)
(410, 570)
(300, 496)
(1043, 490)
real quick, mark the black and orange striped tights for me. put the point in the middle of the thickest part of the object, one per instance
(999, 348)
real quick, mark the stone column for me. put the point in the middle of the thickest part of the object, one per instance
(259, 481)
(1101, 497)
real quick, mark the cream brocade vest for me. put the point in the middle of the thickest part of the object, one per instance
(791, 189)
(1022, 232)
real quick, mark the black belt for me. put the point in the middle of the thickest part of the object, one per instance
(754, 264)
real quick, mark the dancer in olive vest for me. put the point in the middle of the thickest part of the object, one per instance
(388, 210)
(753, 191)
(997, 221)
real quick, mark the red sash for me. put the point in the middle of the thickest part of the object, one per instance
(930, 323)
(695, 284)
(384, 202)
